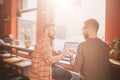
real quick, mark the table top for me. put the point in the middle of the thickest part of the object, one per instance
(115, 62)
(23, 63)
(20, 46)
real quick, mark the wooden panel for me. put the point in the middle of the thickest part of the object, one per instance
(13, 17)
(112, 19)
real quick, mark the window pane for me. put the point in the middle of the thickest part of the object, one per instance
(29, 15)
(26, 4)
(27, 26)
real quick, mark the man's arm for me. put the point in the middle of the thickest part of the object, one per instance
(56, 52)
(77, 61)
(45, 50)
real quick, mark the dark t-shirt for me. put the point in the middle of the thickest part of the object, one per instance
(92, 60)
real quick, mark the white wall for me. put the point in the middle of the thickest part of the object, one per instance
(72, 16)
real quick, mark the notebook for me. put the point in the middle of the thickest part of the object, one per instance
(12, 60)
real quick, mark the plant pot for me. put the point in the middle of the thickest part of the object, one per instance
(117, 56)
(27, 44)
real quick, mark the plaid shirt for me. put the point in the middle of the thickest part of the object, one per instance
(42, 59)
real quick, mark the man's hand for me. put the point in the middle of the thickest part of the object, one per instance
(70, 52)
(64, 52)
(58, 52)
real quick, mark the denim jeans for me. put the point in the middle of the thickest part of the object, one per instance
(59, 73)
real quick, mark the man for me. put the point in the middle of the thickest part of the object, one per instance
(92, 58)
(42, 58)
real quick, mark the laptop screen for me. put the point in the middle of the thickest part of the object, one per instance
(71, 45)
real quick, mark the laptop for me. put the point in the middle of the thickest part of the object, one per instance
(69, 45)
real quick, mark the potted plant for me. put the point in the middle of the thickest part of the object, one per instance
(115, 48)
(27, 41)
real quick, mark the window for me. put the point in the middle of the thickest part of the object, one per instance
(69, 17)
(27, 10)
(28, 4)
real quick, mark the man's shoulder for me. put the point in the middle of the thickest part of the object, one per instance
(82, 44)
(43, 40)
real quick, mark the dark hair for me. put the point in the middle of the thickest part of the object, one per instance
(48, 25)
(92, 22)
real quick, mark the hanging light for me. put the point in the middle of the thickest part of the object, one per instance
(77, 2)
